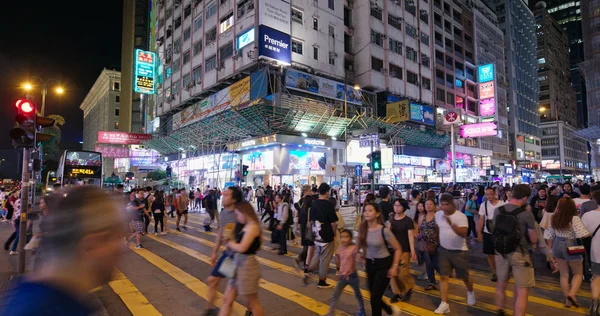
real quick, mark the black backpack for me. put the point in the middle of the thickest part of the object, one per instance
(507, 231)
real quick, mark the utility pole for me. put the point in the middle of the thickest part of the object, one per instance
(24, 210)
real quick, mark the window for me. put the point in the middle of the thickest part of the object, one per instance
(377, 38)
(244, 6)
(411, 54)
(450, 98)
(138, 41)
(315, 24)
(440, 95)
(187, 11)
(330, 4)
(116, 125)
(186, 57)
(210, 63)
(186, 81)
(425, 61)
(331, 31)
(176, 65)
(187, 33)
(117, 99)
(176, 87)
(226, 51)
(315, 52)
(332, 58)
(168, 72)
(198, 23)
(411, 31)
(396, 71)
(211, 10)
(297, 47)
(395, 22)
(169, 13)
(376, 64)
(376, 13)
(116, 112)
(197, 47)
(409, 6)
(177, 46)
(395, 46)
(424, 16)
(211, 36)
(412, 77)
(197, 74)
(424, 38)
(297, 16)
(226, 22)
(117, 86)
(426, 83)
(541, 61)
(177, 22)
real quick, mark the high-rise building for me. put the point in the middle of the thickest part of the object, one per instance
(102, 110)
(590, 69)
(568, 15)
(517, 23)
(558, 105)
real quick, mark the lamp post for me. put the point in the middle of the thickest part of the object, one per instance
(558, 133)
(29, 87)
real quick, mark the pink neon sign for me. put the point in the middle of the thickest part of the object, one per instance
(478, 130)
(487, 107)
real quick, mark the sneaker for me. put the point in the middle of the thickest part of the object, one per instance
(163, 233)
(407, 296)
(494, 278)
(422, 276)
(155, 234)
(305, 278)
(471, 298)
(337, 271)
(594, 310)
(139, 246)
(13, 253)
(444, 308)
(184, 227)
(324, 285)
(395, 299)
(179, 230)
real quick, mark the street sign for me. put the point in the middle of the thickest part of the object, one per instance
(452, 117)
(372, 130)
(367, 139)
(358, 170)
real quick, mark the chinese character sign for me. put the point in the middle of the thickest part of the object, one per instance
(274, 45)
(113, 152)
(486, 90)
(485, 73)
(478, 130)
(144, 72)
(122, 138)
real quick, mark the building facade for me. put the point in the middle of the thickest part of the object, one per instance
(560, 142)
(517, 23)
(101, 110)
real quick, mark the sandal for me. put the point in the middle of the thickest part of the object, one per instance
(430, 287)
(573, 301)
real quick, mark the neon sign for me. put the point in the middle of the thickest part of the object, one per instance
(478, 130)
(485, 73)
(82, 171)
(144, 72)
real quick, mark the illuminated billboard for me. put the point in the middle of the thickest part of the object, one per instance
(487, 90)
(487, 107)
(485, 73)
(245, 39)
(258, 160)
(144, 72)
(307, 160)
(478, 130)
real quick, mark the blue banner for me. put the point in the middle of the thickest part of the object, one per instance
(274, 45)
(422, 114)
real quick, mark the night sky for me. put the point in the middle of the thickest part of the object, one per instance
(71, 41)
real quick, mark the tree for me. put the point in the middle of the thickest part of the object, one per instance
(158, 174)
(51, 149)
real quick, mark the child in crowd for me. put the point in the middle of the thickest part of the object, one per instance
(346, 256)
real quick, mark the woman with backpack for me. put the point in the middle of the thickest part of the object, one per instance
(565, 227)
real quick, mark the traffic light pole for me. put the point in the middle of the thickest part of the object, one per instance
(24, 210)
(372, 170)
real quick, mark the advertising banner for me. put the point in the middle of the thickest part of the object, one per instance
(307, 160)
(143, 157)
(144, 72)
(487, 107)
(112, 152)
(258, 160)
(275, 14)
(305, 82)
(485, 73)
(486, 90)
(422, 114)
(397, 111)
(123, 138)
(478, 130)
(274, 45)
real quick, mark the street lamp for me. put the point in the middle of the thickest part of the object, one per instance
(558, 132)
(27, 86)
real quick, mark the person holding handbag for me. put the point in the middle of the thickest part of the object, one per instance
(591, 221)
(562, 234)
(428, 235)
(306, 236)
(485, 230)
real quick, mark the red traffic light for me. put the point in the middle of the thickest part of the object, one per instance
(25, 106)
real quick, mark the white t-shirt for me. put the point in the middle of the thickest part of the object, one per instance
(490, 211)
(448, 238)
(591, 220)
(579, 201)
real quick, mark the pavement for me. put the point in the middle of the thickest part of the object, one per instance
(168, 277)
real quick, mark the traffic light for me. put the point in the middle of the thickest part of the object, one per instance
(244, 170)
(25, 133)
(376, 160)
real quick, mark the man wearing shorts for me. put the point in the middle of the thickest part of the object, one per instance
(182, 209)
(139, 211)
(231, 197)
(484, 234)
(519, 261)
(453, 252)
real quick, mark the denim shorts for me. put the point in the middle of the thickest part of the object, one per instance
(559, 249)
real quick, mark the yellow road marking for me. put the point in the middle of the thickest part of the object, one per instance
(135, 301)
(298, 298)
(192, 283)
(406, 308)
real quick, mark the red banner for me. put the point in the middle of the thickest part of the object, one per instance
(122, 138)
(113, 152)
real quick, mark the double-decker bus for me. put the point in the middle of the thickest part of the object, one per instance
(80, 167)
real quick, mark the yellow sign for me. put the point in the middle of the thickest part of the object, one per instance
(332, 169)
(82, 171)
(397, 111)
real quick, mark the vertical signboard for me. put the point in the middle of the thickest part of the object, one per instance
(144, 72)
(275, 23)
(486, 76)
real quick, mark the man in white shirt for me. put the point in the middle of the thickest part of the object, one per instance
(591, 221)
(486, 215)
(452, 251)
